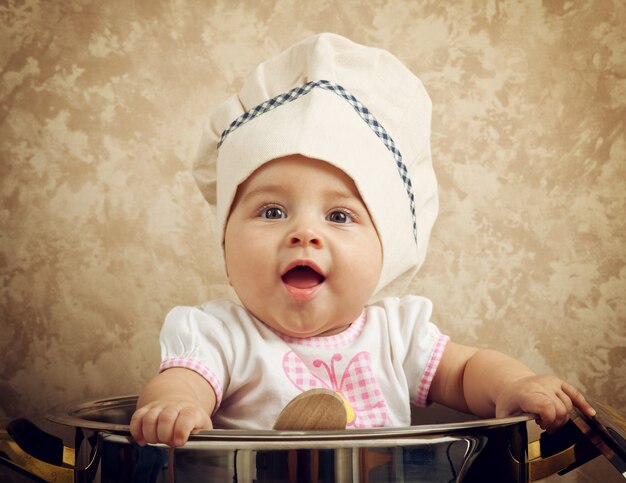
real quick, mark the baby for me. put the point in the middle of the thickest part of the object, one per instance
(321, 174)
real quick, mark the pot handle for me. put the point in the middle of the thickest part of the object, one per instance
(35, 442)
(579, 441)
(559, 452)
(29, 450)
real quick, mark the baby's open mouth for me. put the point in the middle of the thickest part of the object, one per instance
(302, 276)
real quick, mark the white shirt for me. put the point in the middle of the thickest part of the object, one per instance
(383, 362)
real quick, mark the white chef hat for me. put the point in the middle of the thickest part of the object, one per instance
(355, 107)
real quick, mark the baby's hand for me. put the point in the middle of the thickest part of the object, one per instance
(169, 421)
(547, 397)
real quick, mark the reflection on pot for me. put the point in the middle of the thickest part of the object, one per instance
(472, 451)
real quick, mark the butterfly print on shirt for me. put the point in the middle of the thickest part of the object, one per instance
(357, 387)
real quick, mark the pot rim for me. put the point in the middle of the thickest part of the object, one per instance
(73, 414)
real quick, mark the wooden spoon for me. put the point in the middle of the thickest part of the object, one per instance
(315, 409)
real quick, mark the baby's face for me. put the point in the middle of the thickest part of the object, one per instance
(301, 250)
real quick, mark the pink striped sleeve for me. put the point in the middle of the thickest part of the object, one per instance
(421, 398)
(200, 369)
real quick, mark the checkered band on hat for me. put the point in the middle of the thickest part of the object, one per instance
(359, 108)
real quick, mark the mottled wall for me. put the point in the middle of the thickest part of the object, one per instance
(103, 230)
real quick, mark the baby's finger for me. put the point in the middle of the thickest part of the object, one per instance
(136, 423)
(562, 407)
(149, 425)
(544, 409)
(578, 400)
(165, 425)
(566, 400)
(188, 420)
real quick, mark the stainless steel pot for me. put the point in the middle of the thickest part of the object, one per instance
(472, 451)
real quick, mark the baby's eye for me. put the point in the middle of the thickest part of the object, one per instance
(338, 216)
(273, 213)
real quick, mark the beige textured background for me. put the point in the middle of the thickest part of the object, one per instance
(102, 229)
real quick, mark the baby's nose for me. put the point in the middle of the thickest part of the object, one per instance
(304, 236)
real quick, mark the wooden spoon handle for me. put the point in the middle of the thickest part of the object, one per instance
(315, 409)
